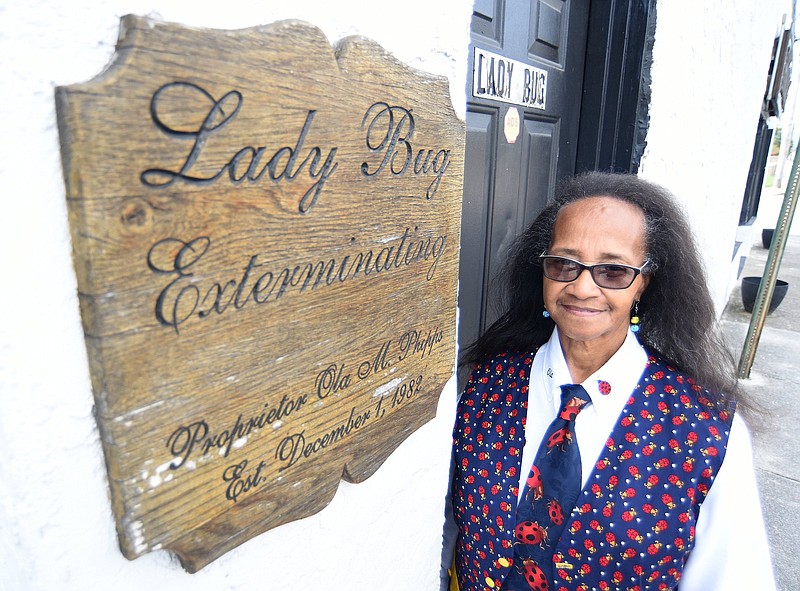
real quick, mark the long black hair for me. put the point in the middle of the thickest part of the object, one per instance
(678, 319)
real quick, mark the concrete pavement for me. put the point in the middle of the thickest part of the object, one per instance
(774, 383)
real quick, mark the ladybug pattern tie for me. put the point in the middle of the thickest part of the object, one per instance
(550, 491)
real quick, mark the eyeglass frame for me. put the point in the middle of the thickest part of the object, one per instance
(583, 267)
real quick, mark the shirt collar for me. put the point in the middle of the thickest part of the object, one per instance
(612, 382)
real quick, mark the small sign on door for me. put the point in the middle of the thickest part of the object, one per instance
(499, 78)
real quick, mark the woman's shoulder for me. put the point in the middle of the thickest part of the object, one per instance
(506, 368)
(502, 361)
(661, 375)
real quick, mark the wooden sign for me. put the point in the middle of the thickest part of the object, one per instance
(265, 234)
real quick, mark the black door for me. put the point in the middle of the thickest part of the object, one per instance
(538, 48)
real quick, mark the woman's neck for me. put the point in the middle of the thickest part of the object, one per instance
(586, 357)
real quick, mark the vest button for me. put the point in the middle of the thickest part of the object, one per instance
(490, 582)
(503, 561)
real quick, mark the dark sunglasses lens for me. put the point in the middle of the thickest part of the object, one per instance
(559, 269)
(613, 276)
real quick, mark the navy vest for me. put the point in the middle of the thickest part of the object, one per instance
(633, 525)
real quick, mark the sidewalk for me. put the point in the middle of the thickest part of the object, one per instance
(774, 383)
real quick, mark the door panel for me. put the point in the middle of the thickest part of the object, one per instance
(548, 30)
(487, 19)
(540, 152)
(508, 181)
(480, 147)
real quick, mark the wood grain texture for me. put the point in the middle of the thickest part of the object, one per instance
(265, 234)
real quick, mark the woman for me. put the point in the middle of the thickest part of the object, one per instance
(637, 473)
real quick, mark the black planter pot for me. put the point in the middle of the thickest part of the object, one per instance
(750, 291)
(766, 237)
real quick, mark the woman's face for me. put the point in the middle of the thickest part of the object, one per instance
(596, 230)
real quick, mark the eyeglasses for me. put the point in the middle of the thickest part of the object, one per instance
(605, 275)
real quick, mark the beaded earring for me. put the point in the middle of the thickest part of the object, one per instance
(635, 317)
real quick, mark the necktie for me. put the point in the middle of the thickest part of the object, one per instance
(550, 493)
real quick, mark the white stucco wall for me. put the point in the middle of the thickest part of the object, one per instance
(710, 66)
(56, 526)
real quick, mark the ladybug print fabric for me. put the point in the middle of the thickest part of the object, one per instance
(633, 523)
